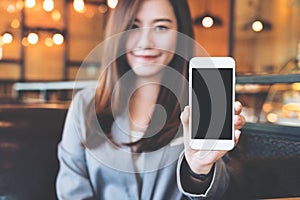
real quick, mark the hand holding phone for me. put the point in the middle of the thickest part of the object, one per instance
(211, 98)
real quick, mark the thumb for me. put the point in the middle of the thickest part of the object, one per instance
(185, 118)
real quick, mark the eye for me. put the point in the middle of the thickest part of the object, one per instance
(161, 28)
(134, 26)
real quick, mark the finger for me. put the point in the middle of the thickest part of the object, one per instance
(237, 134)
(237, 107)
(185, 118)
(239, 121)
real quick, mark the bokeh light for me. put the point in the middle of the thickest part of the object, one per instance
(7, 38)
(15, 23)
(49, 42)
(79, 6)
(56, 15)
(112, 3)
(48, 5)
(30, 3)
(33, 38)
(207, 22)
(58, 38)
(257, 26)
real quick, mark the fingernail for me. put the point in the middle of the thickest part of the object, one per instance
(237, 119)
(185, 114)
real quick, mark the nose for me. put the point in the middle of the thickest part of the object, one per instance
(145, 39)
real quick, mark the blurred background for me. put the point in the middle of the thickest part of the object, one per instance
(44, 42)
(47, 40)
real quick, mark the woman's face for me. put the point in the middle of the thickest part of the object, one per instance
(152, 41)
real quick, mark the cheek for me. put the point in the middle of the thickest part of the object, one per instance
(168, 45)
(129, 46)
(130, 42)
(167, 42)
(129, 59)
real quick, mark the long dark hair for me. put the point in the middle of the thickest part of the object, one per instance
(120, 20)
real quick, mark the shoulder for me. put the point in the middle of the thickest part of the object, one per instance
(81, 104)
(83, 98)
(80, 119)
(85, 95)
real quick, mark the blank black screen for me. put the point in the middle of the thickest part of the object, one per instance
(206, 84)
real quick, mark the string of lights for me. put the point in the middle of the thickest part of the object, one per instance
(54, 36)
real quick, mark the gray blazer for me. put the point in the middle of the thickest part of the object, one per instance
(91, 167)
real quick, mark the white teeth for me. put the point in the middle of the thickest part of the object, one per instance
(144, 53)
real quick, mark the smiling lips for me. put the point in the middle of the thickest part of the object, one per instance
(145, 54)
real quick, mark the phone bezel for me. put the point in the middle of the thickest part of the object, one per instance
(204, 63)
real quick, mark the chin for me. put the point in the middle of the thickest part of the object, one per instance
(147, 73)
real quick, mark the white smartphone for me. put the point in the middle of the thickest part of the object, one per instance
(211, 100)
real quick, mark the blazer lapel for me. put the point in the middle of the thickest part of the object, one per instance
(151, 169)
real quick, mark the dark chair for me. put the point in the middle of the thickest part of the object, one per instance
(266, 163)
(28, 141)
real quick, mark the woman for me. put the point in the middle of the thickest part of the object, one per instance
(124, 140)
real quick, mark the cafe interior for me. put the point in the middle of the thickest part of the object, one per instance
(46, 56)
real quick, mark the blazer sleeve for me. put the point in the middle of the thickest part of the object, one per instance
(213, 190)
(73, 180)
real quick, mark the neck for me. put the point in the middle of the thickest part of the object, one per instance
(142, 104)
(147, 89)
(147, 93)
